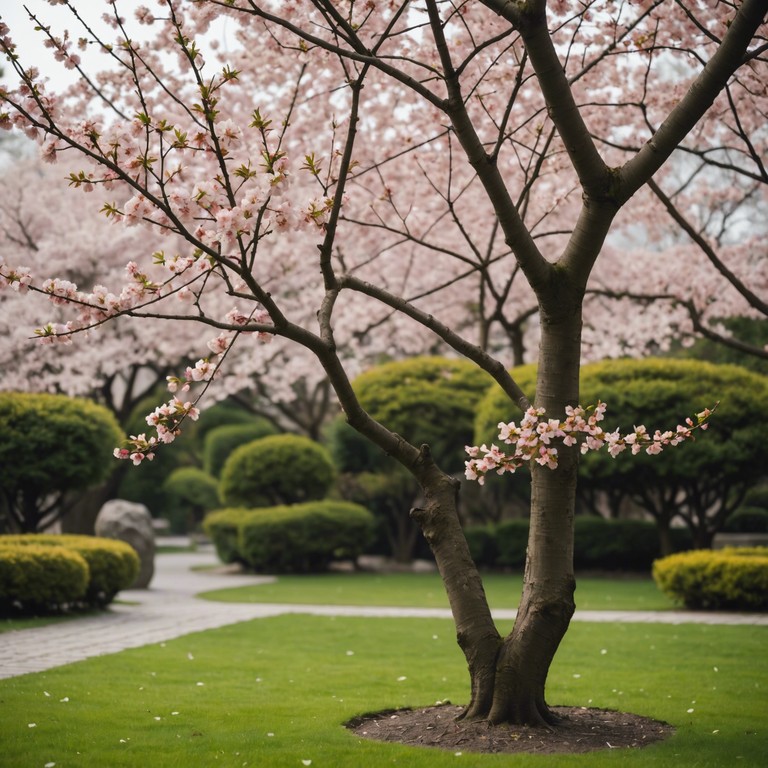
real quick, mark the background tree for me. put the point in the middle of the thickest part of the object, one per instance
(700, 484)
(518, 100)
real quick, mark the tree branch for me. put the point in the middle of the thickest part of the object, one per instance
(698, 99)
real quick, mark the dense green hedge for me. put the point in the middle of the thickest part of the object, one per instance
(221, 441)
(599, 544)
(725, 579)
(281, 469)
(111, 566)
(38, 578)
(300, 538)
(222, 527)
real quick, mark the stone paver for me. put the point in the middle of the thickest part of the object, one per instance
(169, 609)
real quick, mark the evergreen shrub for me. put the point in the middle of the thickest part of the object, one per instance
(38, 578)
(426, 400)
(112, 565)
(300, 538)
(757, 496)
(483, 545)
(512, 543)
(275, 470)
(599, 544)
(189, 492)
(304, 538)
(630, 545)
(221, 441)
(51, 444)
(724, 579)
(222, 528)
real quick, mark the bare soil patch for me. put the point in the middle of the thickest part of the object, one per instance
(581, 729)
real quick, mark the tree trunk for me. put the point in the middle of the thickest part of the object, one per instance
(508, 676)
(547, 602)
(476, 633)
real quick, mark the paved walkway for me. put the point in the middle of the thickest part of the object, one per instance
(170, 609)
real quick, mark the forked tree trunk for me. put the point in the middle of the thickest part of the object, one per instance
(508, 676)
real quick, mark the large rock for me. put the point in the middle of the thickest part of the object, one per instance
(131, 523)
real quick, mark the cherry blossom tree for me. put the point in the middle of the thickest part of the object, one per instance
(353, 175)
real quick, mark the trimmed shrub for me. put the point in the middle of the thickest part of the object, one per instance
(747, 520)
(630, 545)
(190, 493)
(34, 577)
(281, 469)
(112, 565)
(426, 400)
(222, 528)
(303, 538)
(599, 544)
(725, 579)
(221, 441)
(223, 413)
(51, 444)
(352, 453)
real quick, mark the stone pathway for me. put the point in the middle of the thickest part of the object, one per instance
(170, 609)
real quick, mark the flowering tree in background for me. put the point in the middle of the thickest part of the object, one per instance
(350, 167)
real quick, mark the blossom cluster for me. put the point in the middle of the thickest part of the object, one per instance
(167, 419)
(536, 439)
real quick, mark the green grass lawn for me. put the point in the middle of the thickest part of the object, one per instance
(425, 590)
(274, 693)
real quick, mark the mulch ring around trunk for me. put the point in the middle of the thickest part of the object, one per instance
(581, 729)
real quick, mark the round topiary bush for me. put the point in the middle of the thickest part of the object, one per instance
(51, 445)
(426, 400)
(221, 441)
(281, 469)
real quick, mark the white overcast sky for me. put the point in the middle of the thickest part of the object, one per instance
(30, 43)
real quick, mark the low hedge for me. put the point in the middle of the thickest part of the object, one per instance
(725, 579)
(112, 565)
(38, 578)
(291, 539)
(599, 544)
(222, 528)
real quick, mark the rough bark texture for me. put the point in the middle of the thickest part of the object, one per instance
(475, 631)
